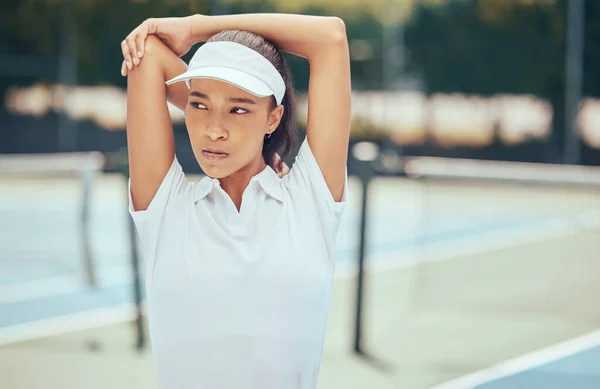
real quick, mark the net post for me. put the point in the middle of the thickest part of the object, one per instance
(87, 176)
(134, 260)
(360, 280)
(364, 153)
(137, 288)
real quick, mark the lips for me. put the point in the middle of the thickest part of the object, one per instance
(214, 154)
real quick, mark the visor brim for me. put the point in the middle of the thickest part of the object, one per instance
(235, 77)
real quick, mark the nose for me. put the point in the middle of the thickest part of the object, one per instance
(216, 130)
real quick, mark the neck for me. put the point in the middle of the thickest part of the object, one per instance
(235, 184)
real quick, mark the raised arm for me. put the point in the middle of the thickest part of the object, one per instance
(321, 40)
(150, 138)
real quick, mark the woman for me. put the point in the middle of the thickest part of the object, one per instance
(239, 265)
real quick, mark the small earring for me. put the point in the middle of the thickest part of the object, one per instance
(269, 135)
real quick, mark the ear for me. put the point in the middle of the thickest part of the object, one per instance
(275, 118)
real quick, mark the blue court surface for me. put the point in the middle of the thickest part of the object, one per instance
(574, 364)
(581, 371)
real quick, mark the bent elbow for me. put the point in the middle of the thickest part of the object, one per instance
(337, 30)
(153, 46)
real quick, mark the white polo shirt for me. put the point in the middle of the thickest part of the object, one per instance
(239, 300)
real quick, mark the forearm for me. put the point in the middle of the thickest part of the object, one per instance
(301, 35)
(170, 65)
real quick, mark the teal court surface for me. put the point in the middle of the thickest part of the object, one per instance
(572, 364)
(521, 264)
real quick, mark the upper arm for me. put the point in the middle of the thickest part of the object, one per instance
(150, 140)
(329, 102)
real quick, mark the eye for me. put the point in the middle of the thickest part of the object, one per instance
(198, 105)
(239, 111)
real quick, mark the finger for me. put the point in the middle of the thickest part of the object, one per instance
(124, 69)
(139, 45)
(126, 55)
(132, 49)
(140, 38)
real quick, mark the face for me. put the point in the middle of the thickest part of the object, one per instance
(227, 126)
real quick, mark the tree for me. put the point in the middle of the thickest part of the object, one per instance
(33, 27)
(502, 46)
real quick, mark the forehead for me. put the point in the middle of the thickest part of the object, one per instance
(218, 88)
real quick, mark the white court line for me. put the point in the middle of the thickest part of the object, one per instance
(67, 323)
(525, 362)
(560, 227)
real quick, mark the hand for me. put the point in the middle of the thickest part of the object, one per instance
(174, 32)
(285, 169)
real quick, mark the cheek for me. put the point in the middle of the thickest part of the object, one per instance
(193, 124)
(247, 141)
(249, 128)
(195, 130)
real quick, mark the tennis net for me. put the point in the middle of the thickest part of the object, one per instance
(45, 204)
(503, 255)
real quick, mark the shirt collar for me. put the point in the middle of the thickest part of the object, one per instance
(268, 180)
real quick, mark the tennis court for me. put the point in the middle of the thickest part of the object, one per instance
(467, 273)
(42, 273)
(461, 276)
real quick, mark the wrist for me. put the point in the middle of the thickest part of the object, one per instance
(199, 28)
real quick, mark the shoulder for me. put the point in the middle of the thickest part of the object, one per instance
(307, 182)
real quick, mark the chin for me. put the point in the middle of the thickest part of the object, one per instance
(215, 170)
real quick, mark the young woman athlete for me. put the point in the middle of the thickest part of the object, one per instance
(239, 265)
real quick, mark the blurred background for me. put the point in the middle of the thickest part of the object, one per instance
(469, 254)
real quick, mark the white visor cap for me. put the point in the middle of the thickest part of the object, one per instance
(238, 65)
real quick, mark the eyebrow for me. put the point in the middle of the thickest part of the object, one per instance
(231, 99)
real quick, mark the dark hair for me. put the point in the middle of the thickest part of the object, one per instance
(283, 139)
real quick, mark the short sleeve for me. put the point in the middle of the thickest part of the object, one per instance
(173, 185)
(305, 172)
